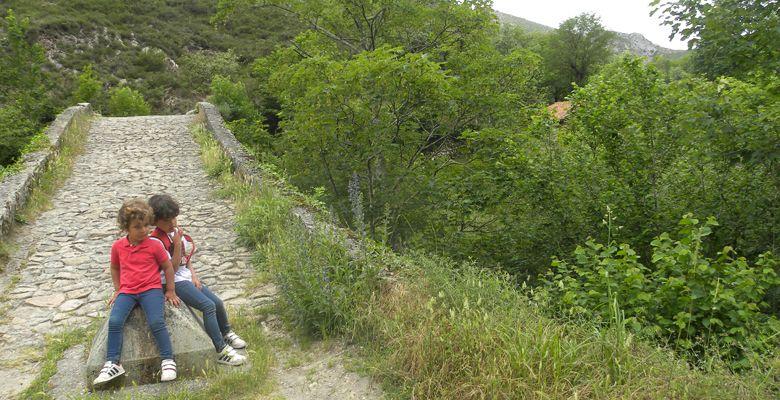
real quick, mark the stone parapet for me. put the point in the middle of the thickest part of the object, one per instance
(15, 188)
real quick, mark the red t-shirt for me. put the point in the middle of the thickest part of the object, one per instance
(139, 265)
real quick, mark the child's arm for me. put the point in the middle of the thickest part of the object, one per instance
(170, 287)
(115, 280)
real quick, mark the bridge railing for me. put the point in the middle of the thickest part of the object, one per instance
(15, 188)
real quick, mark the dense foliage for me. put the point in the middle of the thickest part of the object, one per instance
(423, 124)
(732, 37)
(684, 298)
(435, 135)
(125, 102)
(24, 106)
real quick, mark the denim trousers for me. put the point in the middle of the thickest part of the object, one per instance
(152, 303)
(215, 318)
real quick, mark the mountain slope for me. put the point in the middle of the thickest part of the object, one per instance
(634, 43)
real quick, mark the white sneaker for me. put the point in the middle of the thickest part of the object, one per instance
(168, 368)
(109, 371)
(234, 340)
(230, 356)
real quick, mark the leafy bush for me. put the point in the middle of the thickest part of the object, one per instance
(231, 99)
(125, 102)
(90, 89)
(696, 302)
(321, 286)
(252, 134)
(16, 129)
(198, 68)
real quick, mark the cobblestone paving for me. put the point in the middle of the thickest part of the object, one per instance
(65, 280)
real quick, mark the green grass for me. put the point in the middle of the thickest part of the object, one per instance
(37, 142)
(6, 250)
(5, 304)
(53, 351)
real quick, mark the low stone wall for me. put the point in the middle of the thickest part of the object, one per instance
(15, 188)
(243, 163)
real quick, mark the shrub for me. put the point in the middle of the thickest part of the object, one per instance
(90, 89)
(125, 102)
(322, 288)
(15, 132)
(231, 99)
(252, 134)
(695, 302)
(198, 68)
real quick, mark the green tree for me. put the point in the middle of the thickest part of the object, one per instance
(574, 51)
(729, 37)
(16, 129)
(231, 99)
(20, 61)
(365, 25)
(125, 102)
(90, 89)
(198, 68)
(24, 104)
(364, 126)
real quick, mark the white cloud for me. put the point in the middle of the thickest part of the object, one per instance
(618, 15)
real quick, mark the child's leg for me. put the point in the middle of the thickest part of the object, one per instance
(153, 303)
(197, 299)
(123, 304)
(222, 317)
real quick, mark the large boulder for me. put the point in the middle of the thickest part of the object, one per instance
(192, 348)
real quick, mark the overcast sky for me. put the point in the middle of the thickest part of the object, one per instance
(617, 15)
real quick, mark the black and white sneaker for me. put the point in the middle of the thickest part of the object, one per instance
(168, 370)
(109, 371)
(230, 356)
(235, 341)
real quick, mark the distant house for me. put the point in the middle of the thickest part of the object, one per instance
(560, 109)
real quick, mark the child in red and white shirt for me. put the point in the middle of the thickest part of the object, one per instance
(189, 288)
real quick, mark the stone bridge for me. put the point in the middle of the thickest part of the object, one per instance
(58, 278)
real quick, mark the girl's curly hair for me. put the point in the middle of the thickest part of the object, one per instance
(132, 210)
(164, 206)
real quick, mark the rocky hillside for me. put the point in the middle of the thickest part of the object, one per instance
(155, 47)
(634, 43)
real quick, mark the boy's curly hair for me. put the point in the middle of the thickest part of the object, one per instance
(132, 210)
(164, 206)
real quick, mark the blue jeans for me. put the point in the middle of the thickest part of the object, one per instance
(215, 318)
(152, 302)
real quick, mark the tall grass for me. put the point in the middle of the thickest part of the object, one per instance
(436, 329)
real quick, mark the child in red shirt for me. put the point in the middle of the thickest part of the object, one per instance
(135, 264)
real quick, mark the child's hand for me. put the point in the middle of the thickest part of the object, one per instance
(178, 235)
(170, 296)
(196, 282)
(113, 298)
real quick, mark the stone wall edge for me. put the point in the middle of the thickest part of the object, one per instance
(15, 188)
